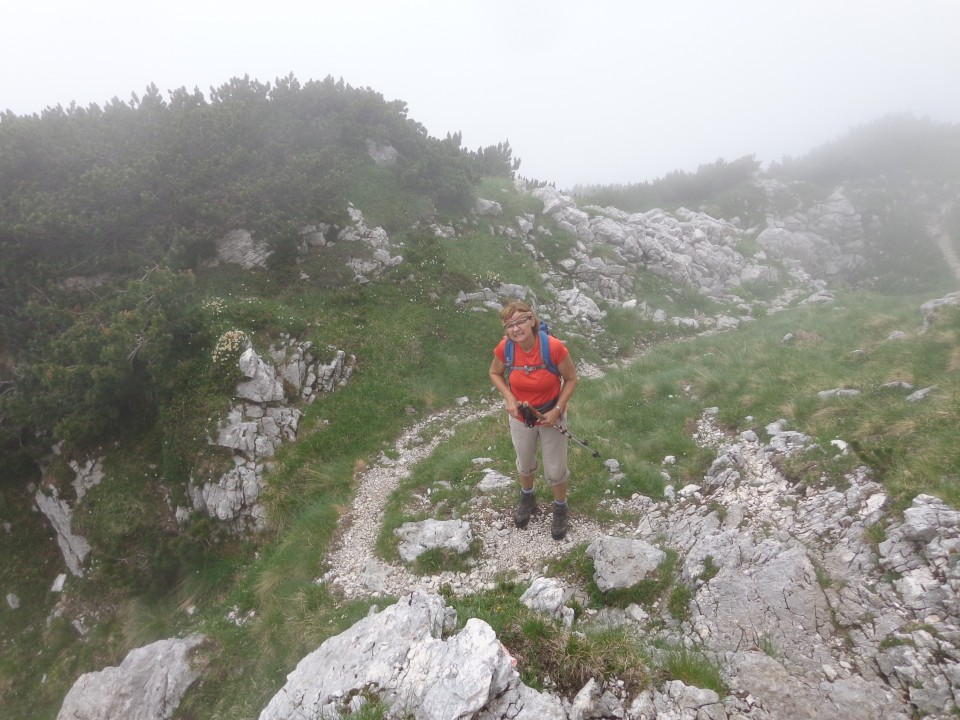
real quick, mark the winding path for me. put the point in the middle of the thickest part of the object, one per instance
(354, 568)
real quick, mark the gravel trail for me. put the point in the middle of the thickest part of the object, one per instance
(354, 569)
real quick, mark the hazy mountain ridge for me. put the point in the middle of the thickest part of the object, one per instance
(878, 255)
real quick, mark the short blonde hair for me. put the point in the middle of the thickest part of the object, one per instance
(517, 306)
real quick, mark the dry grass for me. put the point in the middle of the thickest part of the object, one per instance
(954, 364)
(571, 659)
(901, 428)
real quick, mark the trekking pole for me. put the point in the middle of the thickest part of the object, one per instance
(564, 431)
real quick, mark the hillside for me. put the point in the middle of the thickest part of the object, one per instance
(177, 272)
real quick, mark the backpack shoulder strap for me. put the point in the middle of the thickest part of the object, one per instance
(508, 356)
(545, 352)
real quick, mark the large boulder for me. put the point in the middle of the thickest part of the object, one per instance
(148, 685)
(402, 655)
(417, 538)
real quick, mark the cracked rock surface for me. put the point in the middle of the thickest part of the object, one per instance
(805, 617)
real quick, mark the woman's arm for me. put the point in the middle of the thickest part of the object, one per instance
(568, 371)
(498, 378)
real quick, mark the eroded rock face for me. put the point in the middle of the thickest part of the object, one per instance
(377, 250)
(825, 238)
(382, 155)
(239, 247)
(59, 511)
(259, 422)
(688, 248)
(262, 383)
(795, 579)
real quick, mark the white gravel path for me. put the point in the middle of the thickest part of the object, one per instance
(354, 569)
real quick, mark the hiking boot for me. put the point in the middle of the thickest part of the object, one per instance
(559, 527)
(527, 507)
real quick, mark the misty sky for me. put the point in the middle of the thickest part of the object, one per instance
(586, 92)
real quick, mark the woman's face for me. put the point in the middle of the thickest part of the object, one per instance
(519, 326)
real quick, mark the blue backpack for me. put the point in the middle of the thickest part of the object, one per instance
(546, 360)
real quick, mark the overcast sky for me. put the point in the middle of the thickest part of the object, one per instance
(597, 91)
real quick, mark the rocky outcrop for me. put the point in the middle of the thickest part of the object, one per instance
(373, 253)
(688, 248)
(376, 256)
(825, 238)
(495, 299)
(239, 247)
(259, 422)
(931, 308)
(797, 605)
(409, 656)
(58, 508)
(382, 155)
(488, 208)
(148, 685)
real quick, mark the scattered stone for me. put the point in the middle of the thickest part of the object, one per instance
(545, 595)
(622, 562)
(417, 538)
(493, 480)
(837, 392)
(920, 394)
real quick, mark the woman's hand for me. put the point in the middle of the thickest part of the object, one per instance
(552, 416)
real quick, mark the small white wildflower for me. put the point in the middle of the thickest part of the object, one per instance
(229, 346)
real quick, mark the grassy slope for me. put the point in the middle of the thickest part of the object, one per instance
(417, 351)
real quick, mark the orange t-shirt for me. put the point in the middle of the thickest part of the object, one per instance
(537, 387)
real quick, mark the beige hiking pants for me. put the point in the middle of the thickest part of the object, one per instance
(553, 448)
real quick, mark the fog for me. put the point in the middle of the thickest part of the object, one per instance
(601, 92)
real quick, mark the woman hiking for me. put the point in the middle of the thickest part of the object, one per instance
(536, 376)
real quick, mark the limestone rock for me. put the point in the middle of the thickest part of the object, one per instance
(261, 384)
(147, 685)
(59, 511)
(417, 538)
(488, 208)
(401, 653)
(238, 247)
(382, 155)
(622, 562)
(545, 595)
